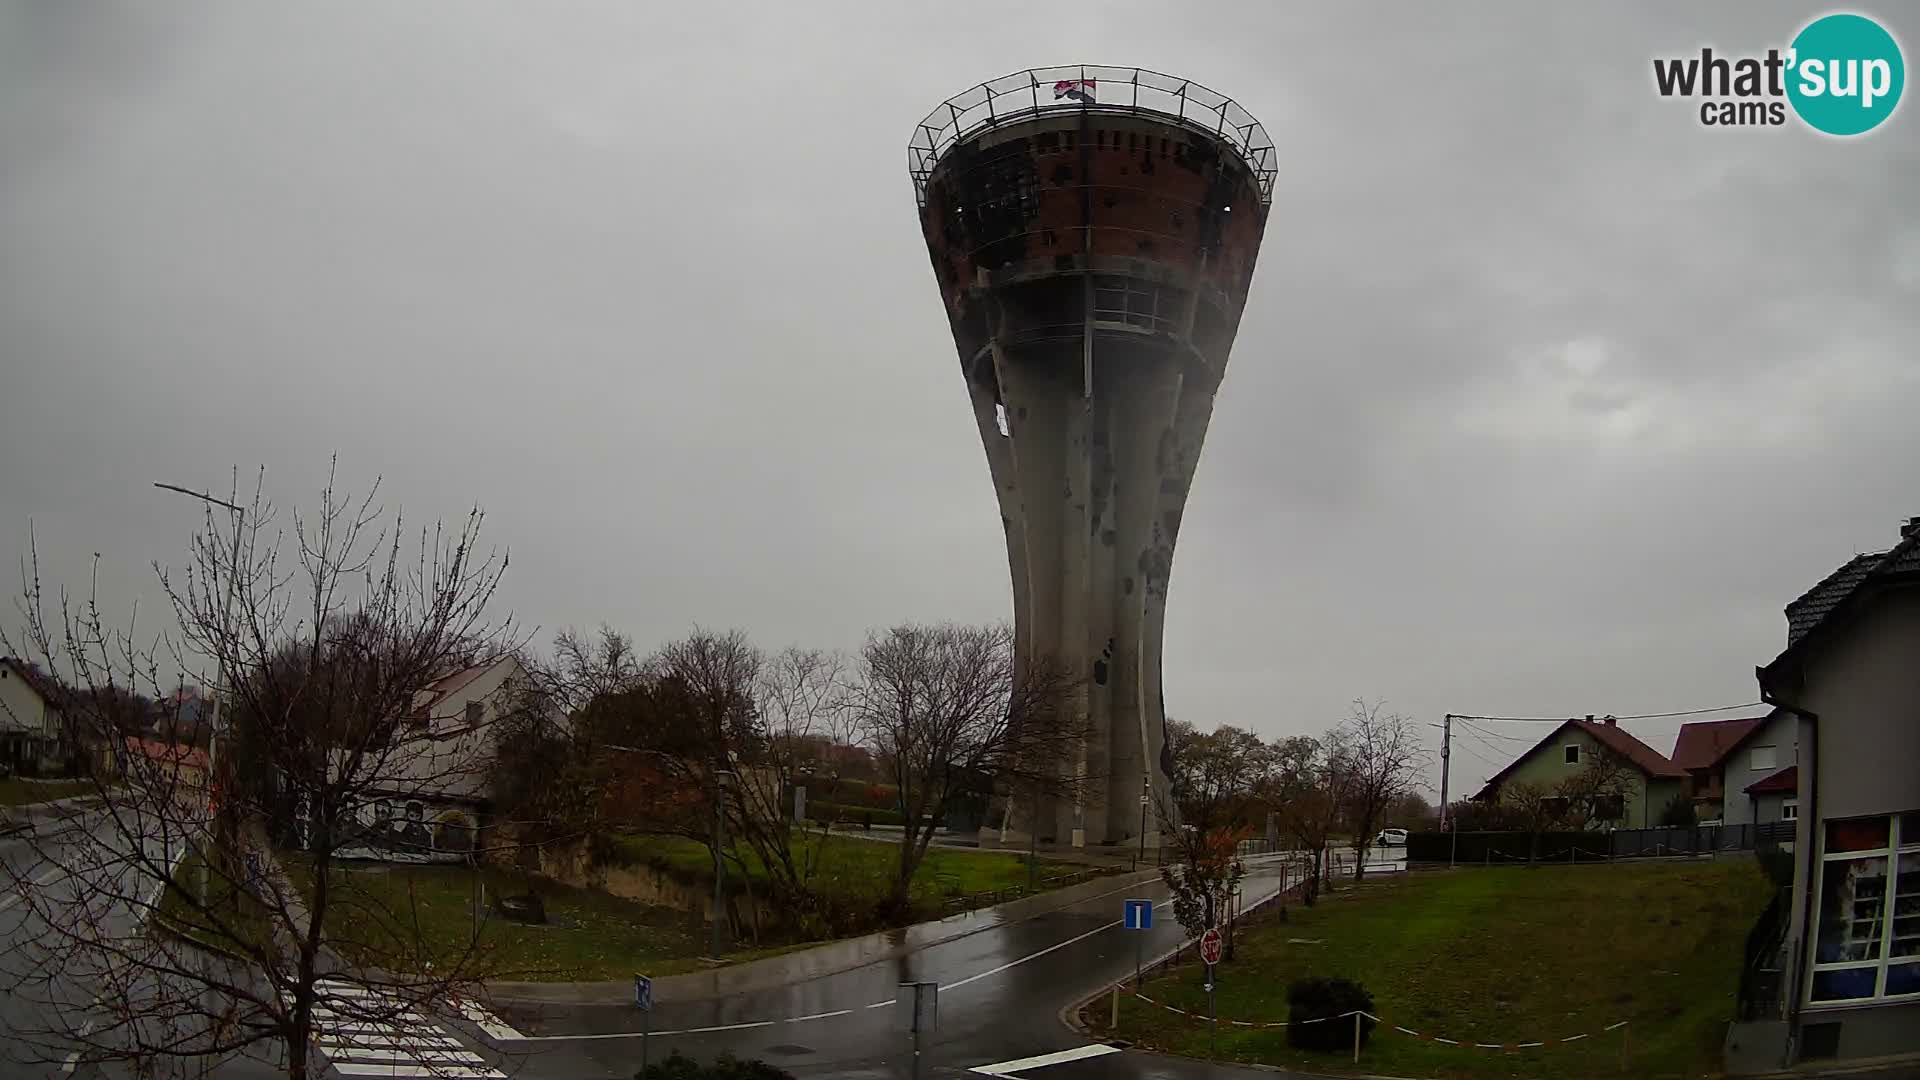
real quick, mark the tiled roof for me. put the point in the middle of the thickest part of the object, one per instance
(168, 752)
(1806, 612)
(1701, 744)
(1638, 754)
(1786, 780)
(1651, 761)
(1816, 608)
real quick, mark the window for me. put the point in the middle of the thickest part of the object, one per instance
(1609, 807)
(1866, 939)
(475, 713)
(1790, 810)
(1571, 753)
(1763, 757)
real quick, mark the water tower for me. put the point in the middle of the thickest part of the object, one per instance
(1093, 231)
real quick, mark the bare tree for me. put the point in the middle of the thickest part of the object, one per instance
(800, 700)
(331, 634)
(1538, 807)
(1216, 775)
(1597, 794)
(951, 713)
(1324, 783)
(1384, 756)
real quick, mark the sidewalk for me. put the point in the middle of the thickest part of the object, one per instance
(14, 819)
(829, 959)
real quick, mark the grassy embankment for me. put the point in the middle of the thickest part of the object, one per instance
(17, 792)
(1506, 955)
(404, 918)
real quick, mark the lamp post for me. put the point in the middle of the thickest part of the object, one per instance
(721, 780)
(1146, 793)
(226, 615)
(219, 662)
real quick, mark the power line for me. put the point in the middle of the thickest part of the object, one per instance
(1496, 735)
(1635, 716)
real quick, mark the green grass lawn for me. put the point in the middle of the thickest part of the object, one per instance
(225, 919)
(406, 917)
(859, 869)
(1504, 955)
(17, 792)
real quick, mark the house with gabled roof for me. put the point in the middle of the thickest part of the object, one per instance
(31, 734)
(1845, 969)
(1723, 758)
(428, 788)
(1652, 781)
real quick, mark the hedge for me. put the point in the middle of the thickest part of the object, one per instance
(1504, 847)
(852, 815)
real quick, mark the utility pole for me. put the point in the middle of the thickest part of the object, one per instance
(1446, 762)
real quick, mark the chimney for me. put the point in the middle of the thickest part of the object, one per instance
(1912, 526)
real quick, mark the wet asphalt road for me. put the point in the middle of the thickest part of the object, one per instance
(1002, 991)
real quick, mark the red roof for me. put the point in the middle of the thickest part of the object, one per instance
(1787, 780)
(191, 756)
(1703, 743)
(1638, 754)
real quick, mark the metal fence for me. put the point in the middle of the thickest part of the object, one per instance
(1591, 846)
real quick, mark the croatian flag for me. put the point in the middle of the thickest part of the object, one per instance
(1080, 90)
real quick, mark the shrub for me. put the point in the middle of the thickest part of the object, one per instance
(1326, 1001)
(852, 815)
(678, 1066)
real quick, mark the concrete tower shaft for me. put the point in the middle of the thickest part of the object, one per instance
(1093, 232)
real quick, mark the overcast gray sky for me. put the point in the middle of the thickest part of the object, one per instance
(1546, 400)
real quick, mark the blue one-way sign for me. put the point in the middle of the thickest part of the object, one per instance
(1137, 914)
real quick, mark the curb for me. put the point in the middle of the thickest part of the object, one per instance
(858, 952)
(1070, 1014)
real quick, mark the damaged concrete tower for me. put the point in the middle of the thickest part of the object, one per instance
(1093, 231)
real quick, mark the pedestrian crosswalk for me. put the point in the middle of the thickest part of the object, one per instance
(362, 1033)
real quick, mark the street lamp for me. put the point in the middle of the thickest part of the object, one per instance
(226, 615)
(722, 779)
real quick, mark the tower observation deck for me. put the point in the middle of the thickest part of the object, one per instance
(1093, 232)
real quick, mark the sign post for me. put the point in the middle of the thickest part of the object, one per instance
(643, 997)
(1137, 915)
(918, 1007)
(1210, 955)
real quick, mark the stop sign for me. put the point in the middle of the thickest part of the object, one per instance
(1210, 946)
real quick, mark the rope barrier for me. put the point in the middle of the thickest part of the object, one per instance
(1349, 1014)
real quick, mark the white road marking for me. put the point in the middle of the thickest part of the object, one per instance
(1041, 1061)
(484, 1019)
(637, 1034)
(844, 1012)
(38, 883)
(434, 1071)
(403, 1044)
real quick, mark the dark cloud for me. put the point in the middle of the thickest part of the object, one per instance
(1547, 399)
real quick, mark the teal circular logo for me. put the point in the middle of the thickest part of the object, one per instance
(1845, 74)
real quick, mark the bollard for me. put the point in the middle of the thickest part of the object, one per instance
(1356, 1038)
(1115, 1025)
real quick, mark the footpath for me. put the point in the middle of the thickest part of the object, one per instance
(823, 960)
(26, 817)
